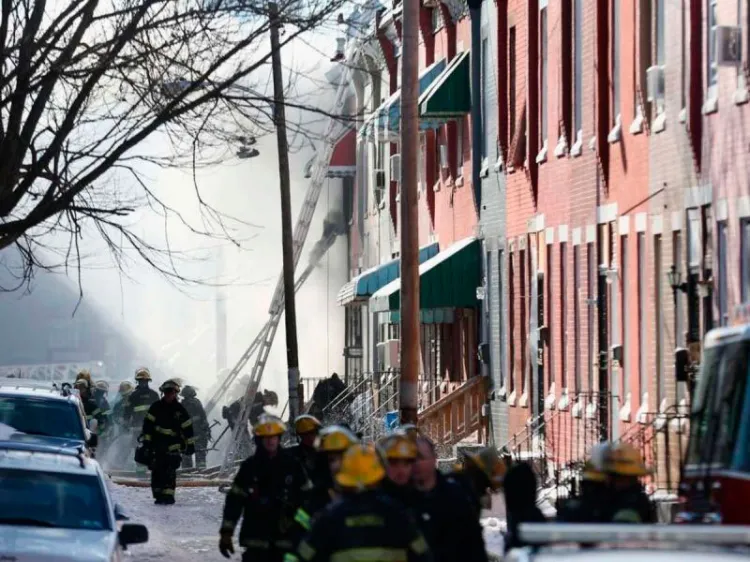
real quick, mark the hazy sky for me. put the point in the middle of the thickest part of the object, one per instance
(181, 324)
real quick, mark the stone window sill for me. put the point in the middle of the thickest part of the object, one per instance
(562, 147)
(636, 127)
(711, 105)
(660, 122)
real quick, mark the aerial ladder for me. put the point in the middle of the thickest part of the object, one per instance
(260, 347)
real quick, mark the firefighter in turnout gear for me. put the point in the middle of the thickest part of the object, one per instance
(201, 427)
(118, 410)
(444, 513)
(331, 444)
(400, 452)
(307, 428)
(140, 400)
(90, 407)
(100, 390)
(167, 434)
(481, 475)
(364, 524)
(266, 493)
(628, 501)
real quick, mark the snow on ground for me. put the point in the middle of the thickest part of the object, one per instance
(184, 532)
(189, 530)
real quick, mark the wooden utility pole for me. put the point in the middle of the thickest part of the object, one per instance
(287, 240)
(410, 352)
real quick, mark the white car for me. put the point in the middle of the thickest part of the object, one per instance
(55, 506)
(584, 542)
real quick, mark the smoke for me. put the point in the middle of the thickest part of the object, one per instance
(333, 225)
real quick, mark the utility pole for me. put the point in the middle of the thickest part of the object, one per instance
(287, 241)
(410, 353)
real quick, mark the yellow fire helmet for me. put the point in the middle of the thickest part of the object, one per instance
(398, 446)
(102, 385)
(335, 439)
(268, 426)
(361, 468)
(125, 387)
(81, 383)
(624, 460)
(306, 424)
(84, 374)
(593, 469)
(489, 462)
(169, 384)
(142, 374)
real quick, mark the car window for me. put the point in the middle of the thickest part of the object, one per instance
(46, 499)
(53, 418)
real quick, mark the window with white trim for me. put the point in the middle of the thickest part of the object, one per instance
(543, 71)
(712, 67)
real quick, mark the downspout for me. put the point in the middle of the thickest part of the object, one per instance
(475, 12)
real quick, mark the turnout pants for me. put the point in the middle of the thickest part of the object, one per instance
(164, 476)
(201, 445)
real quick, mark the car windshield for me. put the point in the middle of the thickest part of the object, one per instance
(719, 403)
(46, 499)
(36, 416)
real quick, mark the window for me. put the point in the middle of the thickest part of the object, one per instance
(660, 23)
(694, 249)
(659, 320)
(549, 320)
(459, 147)
(484, 77)
(578, 67)
(615, 58)
(422, 161)
(642, 352)
(625, 316)
(512, 81)
(712, 68)
(523, 307)
(379, 172)
(684, 12)
(577, 317)
(679, 319)
(564, 312)
(436, 19)
(590, 291)
(721, 247)
(511, 322)
(543, 73)
(501, 316)
(745, 259)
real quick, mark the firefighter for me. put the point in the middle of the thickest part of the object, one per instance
(307, 428)
(520, 486)
(400, 452)
(628, 502)
(90, 408)
(100, 391)
(84, 374)
(267, 491)
(364, 524)
(118, 410)
(480, 476)
(201, 427)
(333, 441)
(444, 513)
(167, 434)
(140, 400)
(591, 505)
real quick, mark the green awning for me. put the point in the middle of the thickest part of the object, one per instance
(450, 94)
(368, 282)
(449, 280)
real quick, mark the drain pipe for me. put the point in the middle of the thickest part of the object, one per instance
(475, 12)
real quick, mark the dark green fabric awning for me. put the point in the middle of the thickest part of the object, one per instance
(450, 94)
(448, 280)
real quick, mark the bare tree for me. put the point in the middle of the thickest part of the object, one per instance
(84, 82)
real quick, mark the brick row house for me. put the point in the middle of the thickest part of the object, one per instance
(611, 225)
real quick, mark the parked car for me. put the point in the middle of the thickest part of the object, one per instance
(583, 542)
(44, 415)
(55, 505)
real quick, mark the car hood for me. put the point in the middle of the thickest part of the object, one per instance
(40, 544)
(62, 442)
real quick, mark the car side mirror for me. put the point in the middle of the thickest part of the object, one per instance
(120, 514)
(133, 533)
(93, 441)
(681, 363)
